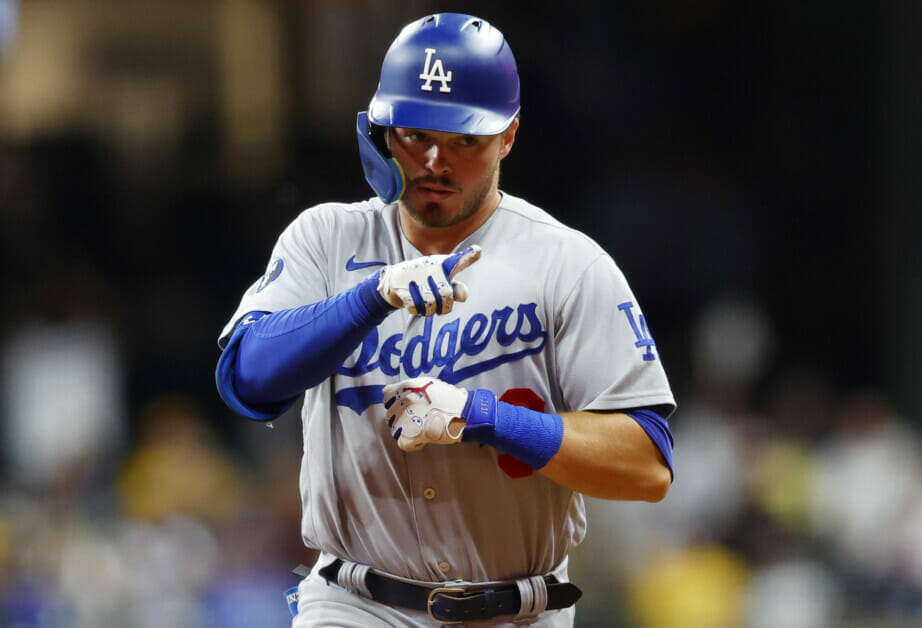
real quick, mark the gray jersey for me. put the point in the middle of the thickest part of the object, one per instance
(550, 323)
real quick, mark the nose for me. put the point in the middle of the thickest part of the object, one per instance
(436, 162)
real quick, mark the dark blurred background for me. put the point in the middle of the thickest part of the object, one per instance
(754, 168)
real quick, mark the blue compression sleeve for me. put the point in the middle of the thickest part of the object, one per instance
(532, 437)
(224, 376)
(657, 428)
(275, 357)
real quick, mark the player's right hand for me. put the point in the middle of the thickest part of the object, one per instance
(424, 285)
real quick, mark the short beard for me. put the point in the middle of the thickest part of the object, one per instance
(430, 216)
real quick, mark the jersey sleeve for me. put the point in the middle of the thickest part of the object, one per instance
(606, 355)
(296, 274)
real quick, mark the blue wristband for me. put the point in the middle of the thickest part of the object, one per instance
(532, 437)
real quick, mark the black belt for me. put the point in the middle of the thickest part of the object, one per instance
(453, 604)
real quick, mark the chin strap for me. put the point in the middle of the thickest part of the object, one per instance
(384, 174)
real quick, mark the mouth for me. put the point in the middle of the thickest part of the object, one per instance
(434, 192)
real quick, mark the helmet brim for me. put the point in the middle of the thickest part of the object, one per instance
(451, 118)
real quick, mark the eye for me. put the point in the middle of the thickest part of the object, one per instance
(467, 140)
(415, 136)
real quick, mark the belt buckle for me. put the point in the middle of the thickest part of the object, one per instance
(431, 601)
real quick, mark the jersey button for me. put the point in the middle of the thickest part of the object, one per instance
(444, 566)
(429, 493)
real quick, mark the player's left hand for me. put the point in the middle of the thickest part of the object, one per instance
(424, 410)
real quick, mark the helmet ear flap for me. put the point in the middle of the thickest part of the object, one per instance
(382, 172)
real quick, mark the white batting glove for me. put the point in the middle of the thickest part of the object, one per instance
(421, 410)
(424, 285)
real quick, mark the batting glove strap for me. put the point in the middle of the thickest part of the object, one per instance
(532, 437)
(479, 416)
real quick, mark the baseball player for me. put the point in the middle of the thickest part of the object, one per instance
(471, 365)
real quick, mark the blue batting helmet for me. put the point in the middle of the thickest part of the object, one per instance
(444, 72)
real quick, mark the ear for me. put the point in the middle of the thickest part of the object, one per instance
(508, 138)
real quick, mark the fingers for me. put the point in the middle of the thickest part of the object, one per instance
(420, 411)
(406, 429)
(428, 299)
(410, 445)
(436, 296)
(460, 291)
(407, 426)
(423, 285)
(419, 303)
(457, 262)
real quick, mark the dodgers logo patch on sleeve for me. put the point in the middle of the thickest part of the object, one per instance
(640, 329)
(272, 273)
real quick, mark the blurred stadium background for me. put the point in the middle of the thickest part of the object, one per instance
(754, 167)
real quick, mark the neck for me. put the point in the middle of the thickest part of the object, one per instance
(443, 240)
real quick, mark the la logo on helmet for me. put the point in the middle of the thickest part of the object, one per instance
(437, 73)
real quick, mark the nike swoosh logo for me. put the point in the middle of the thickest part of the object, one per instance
(351, 264)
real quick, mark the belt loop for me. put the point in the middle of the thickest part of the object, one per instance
(351, 577)
(533, 593)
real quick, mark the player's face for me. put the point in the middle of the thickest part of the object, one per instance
(451, 178)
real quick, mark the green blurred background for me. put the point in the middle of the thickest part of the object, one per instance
(754, 168)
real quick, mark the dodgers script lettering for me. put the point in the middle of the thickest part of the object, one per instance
(519, 329)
